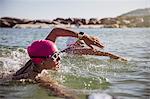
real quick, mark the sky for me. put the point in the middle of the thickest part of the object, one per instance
(50, 9)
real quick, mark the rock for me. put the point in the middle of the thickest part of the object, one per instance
(69, 20)
(126, 21)
(4, 23)
(60, 20)
(109, 21)
(138, 20)
(13, 20)
(10, 22)
(7, 23)
(117, 22)
(94, 21)
(77, 21)
(83, 21)
(43, 21)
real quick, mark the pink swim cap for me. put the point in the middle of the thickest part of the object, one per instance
(41, 48)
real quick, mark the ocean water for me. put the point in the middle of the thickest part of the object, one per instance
(83, 74)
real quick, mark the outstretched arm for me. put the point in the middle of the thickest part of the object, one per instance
(61, 32)
(89, 51)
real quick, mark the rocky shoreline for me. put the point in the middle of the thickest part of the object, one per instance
(118, 22)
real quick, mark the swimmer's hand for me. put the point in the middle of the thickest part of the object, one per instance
(91, 40)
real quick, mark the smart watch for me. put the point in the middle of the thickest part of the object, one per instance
(80, 35)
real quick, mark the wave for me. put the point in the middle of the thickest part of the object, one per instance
(12, 58)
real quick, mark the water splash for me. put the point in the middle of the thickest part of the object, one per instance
(11, 59)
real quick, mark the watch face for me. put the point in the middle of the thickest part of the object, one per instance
(81, 33)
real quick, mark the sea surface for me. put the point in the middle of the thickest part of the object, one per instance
(83, 74)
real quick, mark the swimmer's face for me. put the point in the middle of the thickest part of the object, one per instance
(53, 62)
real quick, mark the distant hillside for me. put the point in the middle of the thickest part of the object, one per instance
(138, 12)
(135, 18)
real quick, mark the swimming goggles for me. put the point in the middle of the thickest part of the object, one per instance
(55, 56)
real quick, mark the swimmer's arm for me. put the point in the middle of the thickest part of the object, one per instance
(20, 76)
(24, 69)
(28, 75)
(61, 32)
(52, 86)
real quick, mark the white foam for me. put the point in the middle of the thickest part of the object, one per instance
(12, 62)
